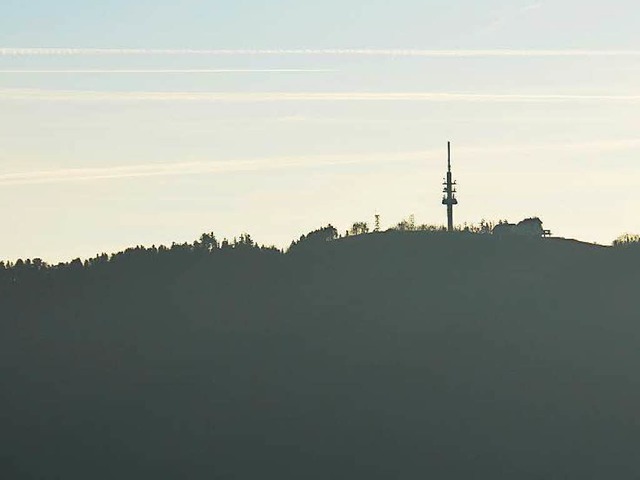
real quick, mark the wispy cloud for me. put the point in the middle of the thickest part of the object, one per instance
(193, 168)
(168, 71)
(409, 52)
(531, 6)
(510, 14)
(84, 95)
(314, 161)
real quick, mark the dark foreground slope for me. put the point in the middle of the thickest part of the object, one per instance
(396, 355)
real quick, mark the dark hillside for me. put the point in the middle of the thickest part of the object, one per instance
(388, 355)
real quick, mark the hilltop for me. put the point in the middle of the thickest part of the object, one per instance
(386, 355)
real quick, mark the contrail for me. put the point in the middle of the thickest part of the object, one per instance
(265, 164)
(389, 52)
(84, 95)
(171, 71)
(193, 168)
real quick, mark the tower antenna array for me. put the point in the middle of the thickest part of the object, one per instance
(449, 198)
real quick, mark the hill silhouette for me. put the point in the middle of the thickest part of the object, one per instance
(386, 355)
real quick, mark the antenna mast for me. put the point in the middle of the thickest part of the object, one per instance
(449, 198)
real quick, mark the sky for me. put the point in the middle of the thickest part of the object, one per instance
(142, 123)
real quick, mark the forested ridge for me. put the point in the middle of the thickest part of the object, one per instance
(399, 354)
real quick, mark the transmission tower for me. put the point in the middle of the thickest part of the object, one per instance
(449, 198)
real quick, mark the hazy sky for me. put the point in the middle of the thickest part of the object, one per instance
(147, 122)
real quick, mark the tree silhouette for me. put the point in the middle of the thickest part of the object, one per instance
(359, 228)
(626, 240)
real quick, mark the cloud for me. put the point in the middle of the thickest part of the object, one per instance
(277, 163)
(191, 168)
(511, 14)
(530, 7)
(86, 95)
(171, 71)
(76, 51)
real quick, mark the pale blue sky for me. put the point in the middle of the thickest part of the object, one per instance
(100, 150)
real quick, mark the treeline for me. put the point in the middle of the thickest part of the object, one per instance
(408, 353)
(627, 240)
(207, 243)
